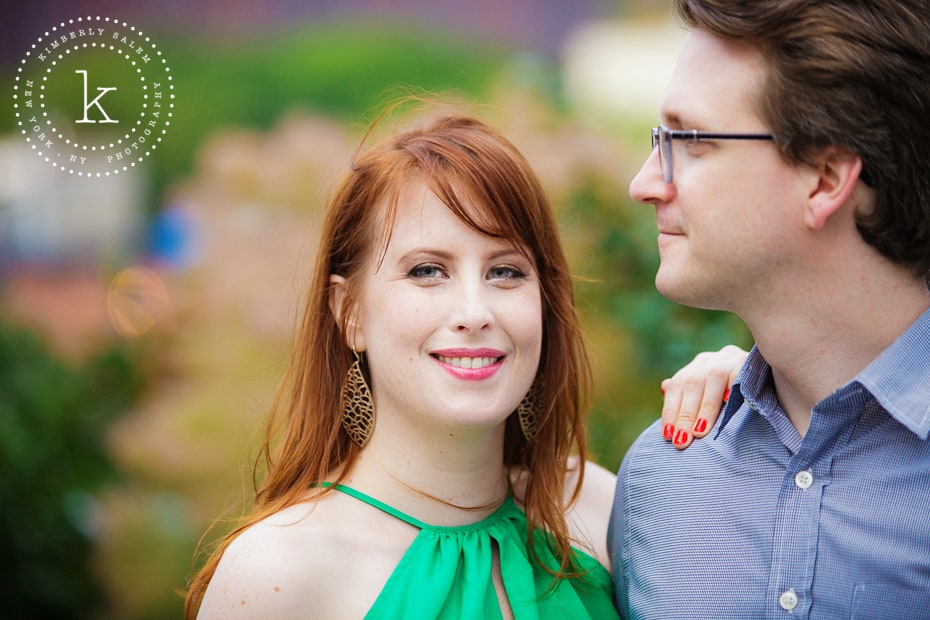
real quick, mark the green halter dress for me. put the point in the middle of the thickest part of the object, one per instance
(446, 573)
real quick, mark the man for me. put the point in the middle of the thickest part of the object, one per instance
(804, 208)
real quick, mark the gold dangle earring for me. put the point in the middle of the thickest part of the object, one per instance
(358, 417)
(528, 413)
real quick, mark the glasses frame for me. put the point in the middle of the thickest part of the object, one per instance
(662, 137)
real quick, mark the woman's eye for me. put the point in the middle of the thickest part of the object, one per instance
(425, 271)
(505, 272)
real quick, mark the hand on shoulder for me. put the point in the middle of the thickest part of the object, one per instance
(693, 396)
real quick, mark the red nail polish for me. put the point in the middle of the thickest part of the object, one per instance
(667, 431)
(700, 426)
(726, 395)
(681, 438)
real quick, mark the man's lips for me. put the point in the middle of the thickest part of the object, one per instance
(667, 234)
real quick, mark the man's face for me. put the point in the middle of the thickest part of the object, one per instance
(728, 220)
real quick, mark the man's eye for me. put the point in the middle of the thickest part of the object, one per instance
(695, 147)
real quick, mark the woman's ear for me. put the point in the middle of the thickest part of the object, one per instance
(837, 172)
(338, 299)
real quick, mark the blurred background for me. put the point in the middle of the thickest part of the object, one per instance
(146, 318)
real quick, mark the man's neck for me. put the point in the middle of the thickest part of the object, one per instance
(817, 344)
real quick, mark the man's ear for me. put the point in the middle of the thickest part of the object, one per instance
(338, 299)
(837, 173)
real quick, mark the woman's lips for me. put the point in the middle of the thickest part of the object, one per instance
(470, 365)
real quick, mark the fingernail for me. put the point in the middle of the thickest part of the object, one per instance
(681, 438)
(662, 388)
(726, 395)
(700, 426)
(667, 431)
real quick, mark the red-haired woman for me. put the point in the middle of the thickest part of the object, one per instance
(430, 437)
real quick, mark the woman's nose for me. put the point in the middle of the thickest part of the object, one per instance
(473, 308)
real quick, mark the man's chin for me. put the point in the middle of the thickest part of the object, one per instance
(677, 287)
(668, 283)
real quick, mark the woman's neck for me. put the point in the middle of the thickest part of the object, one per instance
(453, 480)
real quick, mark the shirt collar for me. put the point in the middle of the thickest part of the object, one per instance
(899, 379)
(753, 375)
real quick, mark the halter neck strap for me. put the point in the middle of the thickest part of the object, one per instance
(375, 503)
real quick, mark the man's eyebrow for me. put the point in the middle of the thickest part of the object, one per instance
(673, 120)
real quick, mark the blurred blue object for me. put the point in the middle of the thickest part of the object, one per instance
(172, 238)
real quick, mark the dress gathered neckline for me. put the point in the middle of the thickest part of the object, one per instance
(447, 571)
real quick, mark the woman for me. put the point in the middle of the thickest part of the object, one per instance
(432, 457)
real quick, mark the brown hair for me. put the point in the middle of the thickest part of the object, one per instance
(849, 73)
(464, 162)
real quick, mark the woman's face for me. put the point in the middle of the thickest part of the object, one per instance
(451, 321)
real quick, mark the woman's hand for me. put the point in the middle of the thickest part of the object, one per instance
(693, 396)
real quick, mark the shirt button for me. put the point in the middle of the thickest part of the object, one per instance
(788, 600)
(804, 479)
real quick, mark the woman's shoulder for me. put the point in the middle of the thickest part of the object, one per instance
(271, 566)
(331, 551)
(589, 516)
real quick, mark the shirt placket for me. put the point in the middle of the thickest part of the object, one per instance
(794, 546)
(798, 512)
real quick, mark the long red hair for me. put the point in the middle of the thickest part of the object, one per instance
(466, 164)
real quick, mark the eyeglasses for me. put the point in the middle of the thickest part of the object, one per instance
(662, 137)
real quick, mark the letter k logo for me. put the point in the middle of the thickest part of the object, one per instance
(96, 102)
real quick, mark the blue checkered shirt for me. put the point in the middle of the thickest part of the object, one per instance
(756, 522)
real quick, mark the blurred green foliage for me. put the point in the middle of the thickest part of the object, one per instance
(342, 70)
(53, 417)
